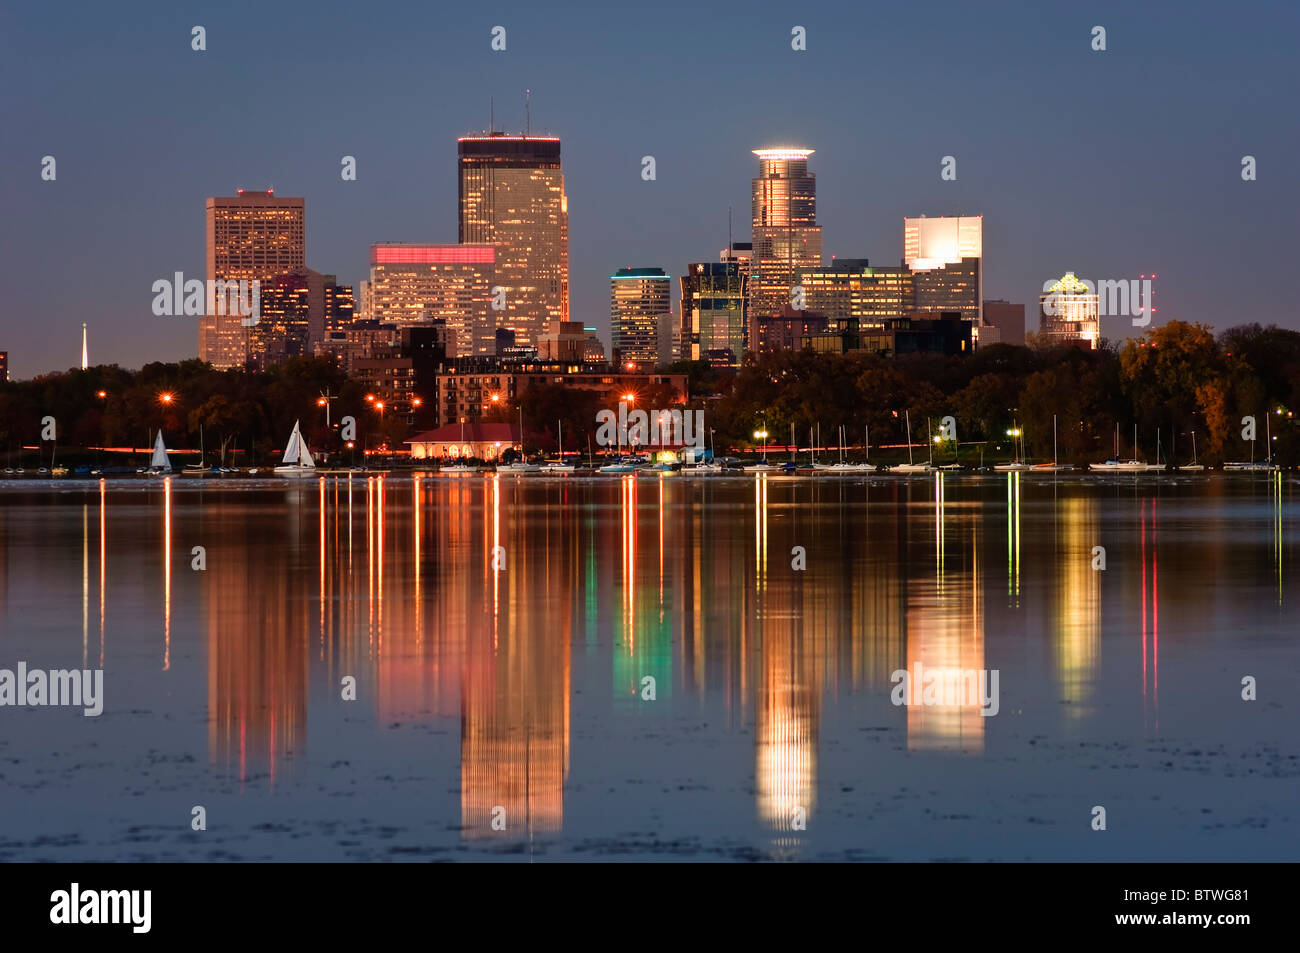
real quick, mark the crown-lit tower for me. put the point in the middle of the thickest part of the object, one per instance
(786, 236)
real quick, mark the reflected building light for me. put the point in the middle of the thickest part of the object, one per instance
(946, 635)
(1077, 639)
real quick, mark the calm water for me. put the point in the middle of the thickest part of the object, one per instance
(521, 687)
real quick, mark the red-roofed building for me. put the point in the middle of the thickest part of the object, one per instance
(458, 441)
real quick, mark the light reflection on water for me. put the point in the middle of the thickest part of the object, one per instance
(513, 612)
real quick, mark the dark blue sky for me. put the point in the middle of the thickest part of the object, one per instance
(1107, 164)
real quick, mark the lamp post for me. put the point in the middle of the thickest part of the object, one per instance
(324, 401)
(762, 435)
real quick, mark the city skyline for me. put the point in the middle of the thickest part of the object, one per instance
(1177, 205)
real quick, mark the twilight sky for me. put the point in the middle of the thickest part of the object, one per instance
(1109, 164)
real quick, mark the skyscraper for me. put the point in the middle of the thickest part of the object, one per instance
(297, 309)
(252, 236)
(638, 299)
(714, 327)
(416, 284)
(1068, 314)
(849, 288)
(786, 236)
(512, 196)
(946, 255)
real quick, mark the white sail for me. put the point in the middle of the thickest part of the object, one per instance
(296, 451)
(160, 460)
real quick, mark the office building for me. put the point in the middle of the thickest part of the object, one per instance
(1068, 314)
(564, 342)
(785, 331)
(512, 197)
(419, 283)
(638, 299)
(594, 351)
(1006, 319)
(851, 288)
(786, 237)
(250, 236)
(296, 311)
(946, 256)
(714, 324)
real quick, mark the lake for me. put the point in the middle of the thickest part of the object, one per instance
(532, 668)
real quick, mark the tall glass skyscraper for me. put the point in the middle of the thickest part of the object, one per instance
(253, 235)
(946, 255)
(786, 236)
(638, 300)
(713, 313)
(512, 196)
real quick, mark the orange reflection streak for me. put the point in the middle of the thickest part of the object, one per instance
(1077, 606)
(379, 537)
(946, 633)
(496, 567)
(321, 505)
(167, 573)
(515, 680)
(419, 603)
(370, 565)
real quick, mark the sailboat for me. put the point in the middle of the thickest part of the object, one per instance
(1054, 466)
(1252, 466)
(560, 466)
(521, 465)
(1018, 441)
(1193, 465)
(815, 464)
(159, 464)
(55, 469)
(297, 458)
(1116, 465)
(866, 466)
(197, 468)
(909, 466)
(841, 466)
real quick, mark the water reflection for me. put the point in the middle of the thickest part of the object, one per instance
(501, 602)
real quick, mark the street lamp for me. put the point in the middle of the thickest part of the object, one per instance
(762, 435)
(324, 401)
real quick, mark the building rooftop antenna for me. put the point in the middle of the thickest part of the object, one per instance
(528, 111)
(492, 116)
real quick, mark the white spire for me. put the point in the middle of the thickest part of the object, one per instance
(85, 360)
